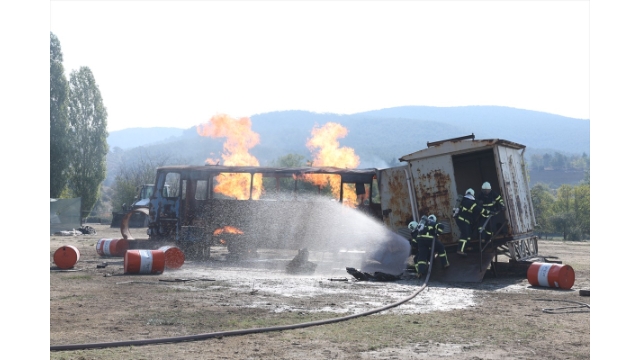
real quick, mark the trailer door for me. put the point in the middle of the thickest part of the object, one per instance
(515, 190)
(398, 205)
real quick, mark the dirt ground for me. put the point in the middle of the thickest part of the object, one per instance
(501, 317)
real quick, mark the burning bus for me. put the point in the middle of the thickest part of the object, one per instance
(250, 207)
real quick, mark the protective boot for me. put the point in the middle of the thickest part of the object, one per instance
(461, 245)
(444, 260)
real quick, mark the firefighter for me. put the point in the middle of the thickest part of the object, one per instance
(492, 204)
(466, 216)
(426, 234)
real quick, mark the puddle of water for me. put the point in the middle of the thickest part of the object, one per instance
(318, 294)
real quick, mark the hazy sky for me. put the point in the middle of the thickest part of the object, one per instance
(177, 63)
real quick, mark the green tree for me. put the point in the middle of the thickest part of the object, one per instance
(537, 162)
(587, 172)
(59, 139)
(571, 212)
(542, 207)
(563, 219)
(137, 168)
(582, 208)
(559, 161)
(88, 120)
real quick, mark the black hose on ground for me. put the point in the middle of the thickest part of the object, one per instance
(221, 334)
(567, 309)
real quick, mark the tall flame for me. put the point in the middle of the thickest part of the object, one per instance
(240, 138)
(327, 152)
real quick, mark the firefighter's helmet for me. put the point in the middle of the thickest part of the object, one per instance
(470, 192)
(432, 219)
(486, 186)
(413, 225)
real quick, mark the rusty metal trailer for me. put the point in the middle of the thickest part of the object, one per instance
(434, 179)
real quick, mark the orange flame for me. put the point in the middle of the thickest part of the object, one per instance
(227, 230)
(329, 153)
(240, 138)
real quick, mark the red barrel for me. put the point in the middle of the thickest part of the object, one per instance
(112, 247)
(551, 275)
(144, 262)
(66, 257)
(173, 257)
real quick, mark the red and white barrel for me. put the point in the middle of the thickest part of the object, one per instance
(144, 262)
(173, 257)
(551, 275)
(112, 247)
(66, 257)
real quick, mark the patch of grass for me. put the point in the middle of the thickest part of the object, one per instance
(158, 321)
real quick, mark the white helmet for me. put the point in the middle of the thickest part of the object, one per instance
(470, 192)
(486, 186)
(432, 219)
(413, 225)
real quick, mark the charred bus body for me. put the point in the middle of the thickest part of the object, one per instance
(245, 207)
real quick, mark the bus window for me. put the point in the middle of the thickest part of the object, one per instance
(201, 190)
(171, 184)
(231, 186)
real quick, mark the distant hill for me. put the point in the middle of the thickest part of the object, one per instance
(134, 137)
(379, 137)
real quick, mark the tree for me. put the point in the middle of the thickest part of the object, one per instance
(537, 162)
(582, 208)
(59, 139)
(571, 211)
(542, 199)
(138, 168)
(88, 121)
(558, 161)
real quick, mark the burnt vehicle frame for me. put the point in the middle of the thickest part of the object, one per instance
(195, 216)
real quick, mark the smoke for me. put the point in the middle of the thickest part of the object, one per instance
(374, 162)
(336, 236)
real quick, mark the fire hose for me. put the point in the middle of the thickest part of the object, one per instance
(221, 334)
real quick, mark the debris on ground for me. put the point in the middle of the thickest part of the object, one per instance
(87, 230)
(301, 264)
(377, 276)
(67, 233)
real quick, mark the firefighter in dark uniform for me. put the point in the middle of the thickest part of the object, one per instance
(425, 234)
(466, 216)
(492, 204)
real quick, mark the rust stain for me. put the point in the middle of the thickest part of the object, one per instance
(433, 196)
